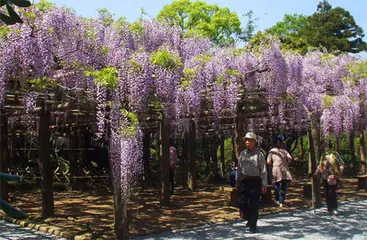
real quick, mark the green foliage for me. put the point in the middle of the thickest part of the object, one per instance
(12, 17)
(136, 27)
(89, 33)
(358, 71)
(104, 50)
(334, 29)
(359, 68)
(44, 5)
(106, 77)
(228, 153)
(327, 101)
(249, 30)
(202, 58)
(120, 24)
(331, 28)
(132, 118)
(223, 79)
(38, 84)
(165, 59)
(105, 16)
(188, 75)
(155, 105)
(201, 19)
(4, 30)
(289, 32)
(134, 66)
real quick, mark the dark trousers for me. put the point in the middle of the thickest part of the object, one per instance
(330, 195)
(171, 180)
(282, 187)
(249, 192)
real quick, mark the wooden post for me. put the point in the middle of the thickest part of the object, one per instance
(73, 157)
(146, 155)
(4, 154)
(46, 163)
(314, 156)
(192, 171)
(362, 149)
(352, 153)
(222, 160)
(239, 131)
(213, 160)
(234, 157)
(165, 161)
(361, 127)
(185, 159)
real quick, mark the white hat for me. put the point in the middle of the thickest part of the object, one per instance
(250, 135)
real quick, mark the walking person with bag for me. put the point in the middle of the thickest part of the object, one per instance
(280, 159)
(251, 181)
(331, 169)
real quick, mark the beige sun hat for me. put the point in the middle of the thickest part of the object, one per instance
(250, 135)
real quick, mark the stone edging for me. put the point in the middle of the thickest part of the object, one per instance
(45, 228)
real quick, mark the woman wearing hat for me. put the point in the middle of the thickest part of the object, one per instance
(251, 180)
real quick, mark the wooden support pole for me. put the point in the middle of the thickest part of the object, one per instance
(46, 163)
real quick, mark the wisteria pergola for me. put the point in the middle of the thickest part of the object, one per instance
(125, 80)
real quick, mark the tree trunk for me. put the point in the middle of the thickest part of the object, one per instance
(73, 158)
(353, 158)
(213, 160)
(192, 171)
(234, 157)
(206, 159)
(362, 149)
(185, 159)
(4, 154)
(165, 161)
(361, 127)
(146, 156)
(121, 225)
(222, 160)
(239, 131)
(337, 144)
(301, 149)
(46, 163)
(314, 156)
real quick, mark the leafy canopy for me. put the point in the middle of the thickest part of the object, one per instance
(334, 29)
(106, 77)
(198, 18)
(331, 28)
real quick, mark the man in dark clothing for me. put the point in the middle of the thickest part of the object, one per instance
(251, 181)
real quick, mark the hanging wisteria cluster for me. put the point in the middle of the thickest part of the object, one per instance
(155, 67)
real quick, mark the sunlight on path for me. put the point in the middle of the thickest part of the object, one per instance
(300, 224)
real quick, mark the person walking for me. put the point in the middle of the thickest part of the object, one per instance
(280, 159)
(331, 168)
(251, 180)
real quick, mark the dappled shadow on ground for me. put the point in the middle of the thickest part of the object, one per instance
(89, 212)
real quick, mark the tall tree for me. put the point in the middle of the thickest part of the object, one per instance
(330, 28)
(248, 31)
(220, 25)
(290, 31)
(334, 29)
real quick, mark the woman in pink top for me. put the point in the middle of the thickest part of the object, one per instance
(280, 159)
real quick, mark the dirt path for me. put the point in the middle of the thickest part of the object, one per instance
(91, 214)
